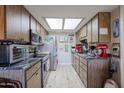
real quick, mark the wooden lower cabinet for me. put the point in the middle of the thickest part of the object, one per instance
(98, 72)
(83, 71)
(92, 72)
(76, 63)
(30, 77)
(35, 80)
(33, 76)
(83, 76)
(72, 59)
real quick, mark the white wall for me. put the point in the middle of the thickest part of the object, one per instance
(122, 44)
(64, 57)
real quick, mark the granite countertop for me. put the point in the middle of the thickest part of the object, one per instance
(23, 65)
(89, 58)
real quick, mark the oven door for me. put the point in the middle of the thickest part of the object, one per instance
(17, 53)
(44, 69)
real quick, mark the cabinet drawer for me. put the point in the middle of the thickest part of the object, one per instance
(83, 61)
(83, 77)
(32, 70)
(35, 80)
(83, 73)
(83, 66)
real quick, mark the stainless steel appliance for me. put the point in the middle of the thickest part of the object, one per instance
(50, 45)
(45, 69)
(10, 54)
(35, 38)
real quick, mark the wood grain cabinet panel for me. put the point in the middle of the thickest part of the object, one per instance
(38, 28)
(13, 22)
(16, 22)
(2, 22)
(33, 76)
(104, 22)
(35, 81)
(32, 70)
(94, 72)
(25, 25)
(33, 25)
(98, 72)
(43, 32)
(89, 32)
(84, 31)
(83, 70)
(95, 29)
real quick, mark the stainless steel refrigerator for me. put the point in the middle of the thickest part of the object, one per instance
(50, 45)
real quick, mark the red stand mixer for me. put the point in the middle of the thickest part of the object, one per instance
(103, 50)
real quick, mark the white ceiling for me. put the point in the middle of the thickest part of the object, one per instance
(67, 11)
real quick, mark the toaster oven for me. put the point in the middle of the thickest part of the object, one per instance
(10, 54)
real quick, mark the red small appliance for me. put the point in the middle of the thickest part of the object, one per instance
(103, 48)
(79, 48)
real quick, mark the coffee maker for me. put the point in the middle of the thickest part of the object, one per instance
(102, 50)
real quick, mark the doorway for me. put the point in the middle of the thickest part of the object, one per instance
(64, 50)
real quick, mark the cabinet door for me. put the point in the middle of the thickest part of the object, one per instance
(89, 31)
(13, 22)
(33, 25)
(38, 28)
(104, 23)
(25, 25)
(80, 34)
(2, 32)
(95, 29)
(35, 80)
(42, 31)
(84, 31)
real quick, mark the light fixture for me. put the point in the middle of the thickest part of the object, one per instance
(71, 23)
(63, 23)
(54, 23)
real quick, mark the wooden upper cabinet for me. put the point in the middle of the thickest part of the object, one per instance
(38, 28)
(84, 31)
(33, 25)
(16, 22)
(89, 32)
(43, 32)
(2, 22)
(13, 22)
(95, 29)
(104, 27)
(25, 25)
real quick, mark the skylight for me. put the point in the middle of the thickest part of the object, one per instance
(55, 23)
(71, 23)
(63, 23)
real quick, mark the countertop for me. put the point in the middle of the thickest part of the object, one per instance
(87, 58)
(25, 64)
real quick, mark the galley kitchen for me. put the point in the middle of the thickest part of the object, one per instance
(61, 46)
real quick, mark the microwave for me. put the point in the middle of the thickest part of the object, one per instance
(116, 49)
(36, 39)
(10, 54)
